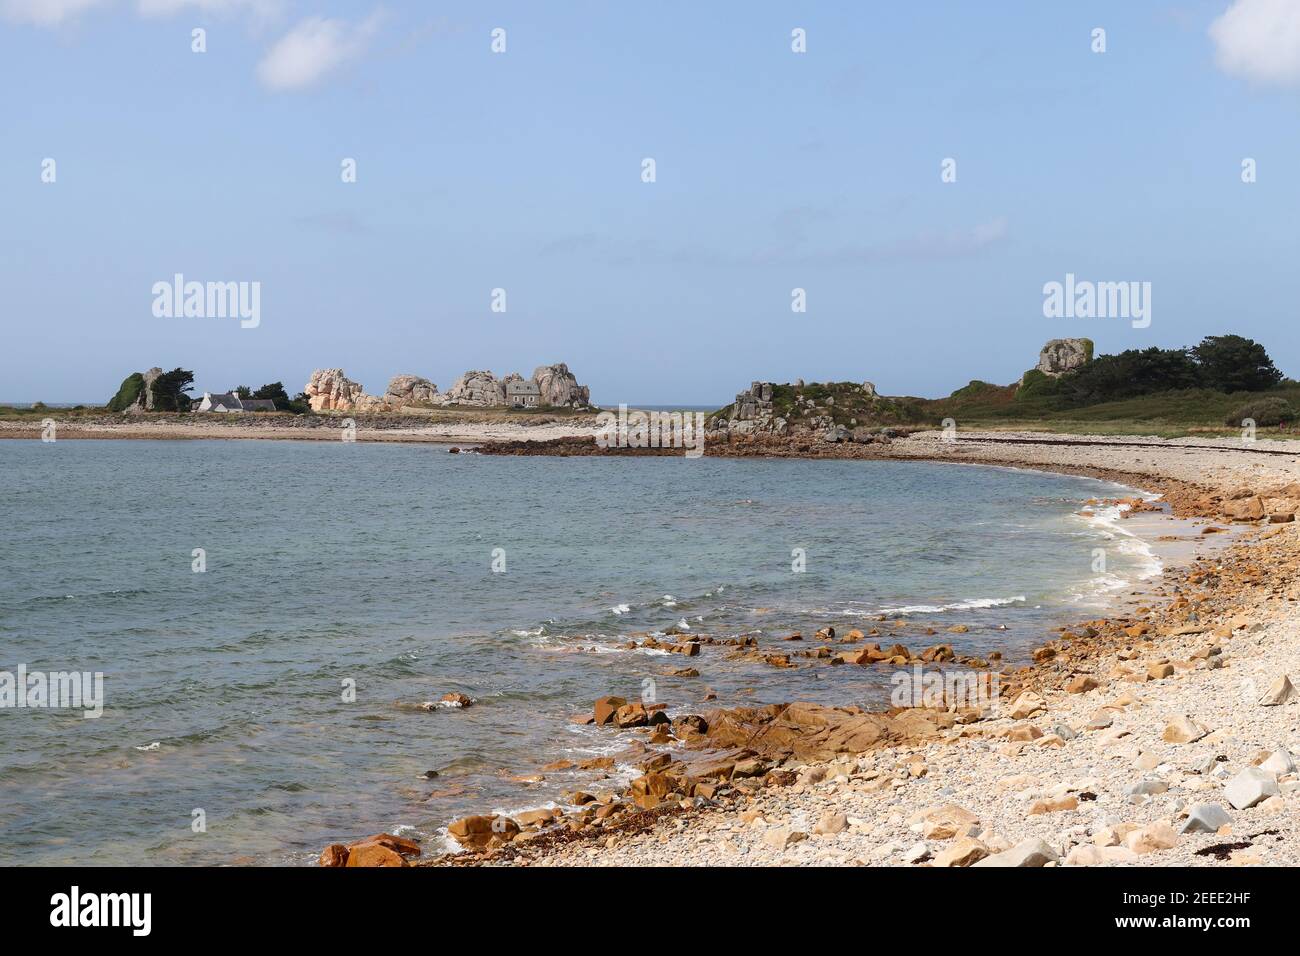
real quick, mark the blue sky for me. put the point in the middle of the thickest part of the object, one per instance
(522, 170)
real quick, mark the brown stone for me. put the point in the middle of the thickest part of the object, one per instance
(480, 831)
(373, 854)
(399, 845)
(336, 854)
(606, 708)
(1183, 730)
(542, 817)
(1053, 805)
(1081, 685)
(1244, 509)
(963, 852)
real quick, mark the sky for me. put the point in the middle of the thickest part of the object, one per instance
(524, 170)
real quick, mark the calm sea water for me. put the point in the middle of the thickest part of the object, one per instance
(334, 562)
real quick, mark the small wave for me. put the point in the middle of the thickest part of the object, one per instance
(1107, 520)
(156, 745)
(972, 604)
(1095, 591)
(621, 608)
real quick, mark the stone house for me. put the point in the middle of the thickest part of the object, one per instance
(521, 394)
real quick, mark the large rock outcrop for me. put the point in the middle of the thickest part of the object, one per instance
(1064, 355)
(329, 390)
(560, 387)
(751, 412)
(410, 390)
(822, 411)
(477, 388)
(140, 392)
(146, 399)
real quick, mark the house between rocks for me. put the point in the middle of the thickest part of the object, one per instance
(231, 402)
(523, 394)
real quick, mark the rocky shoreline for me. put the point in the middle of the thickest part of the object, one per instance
(1162, 734)
(442, 426)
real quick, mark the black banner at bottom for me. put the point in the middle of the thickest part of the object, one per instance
(172, 904)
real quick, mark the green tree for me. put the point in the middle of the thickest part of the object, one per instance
(1129, 374)
(276, 393)
(170, 388)
(1231, 363)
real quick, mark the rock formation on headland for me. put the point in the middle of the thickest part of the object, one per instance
(834, 411)
(145, 401)
(1063, 355)
(560, 387)
(137, 393)
(330, 390)
(477, 388)
(153, 391)
(410, 390)
(855, 411)
(753, 411)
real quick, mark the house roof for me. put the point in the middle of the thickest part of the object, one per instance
(523, 388)
(232, 402)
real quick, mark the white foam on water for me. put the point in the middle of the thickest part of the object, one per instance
(970, 604)
(1106, 521)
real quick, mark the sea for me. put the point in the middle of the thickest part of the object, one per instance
(270, 619)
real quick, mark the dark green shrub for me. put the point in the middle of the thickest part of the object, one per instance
(1231, 363)
(128, 393)
(1265, 412)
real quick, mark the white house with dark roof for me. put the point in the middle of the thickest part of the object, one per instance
(231, 402)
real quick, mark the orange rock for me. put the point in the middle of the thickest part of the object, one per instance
(1081, 685)
(373, 854)
(478, 831)
(399, 845)
(606, 708)
(631, 715)
(336, 854)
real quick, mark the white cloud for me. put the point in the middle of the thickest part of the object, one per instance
(311, 50)
(257, 11)
(53, 13)
(1260, 41)
(45, 13)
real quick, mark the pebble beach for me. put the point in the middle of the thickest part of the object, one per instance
(1162, 735)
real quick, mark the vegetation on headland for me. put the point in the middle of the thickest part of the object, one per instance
(169, 391)
(128, 393)
(1212, 387)
(1216, 383)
